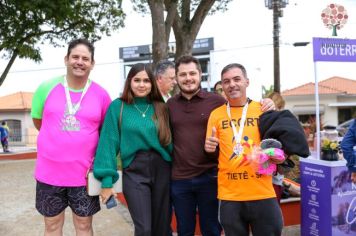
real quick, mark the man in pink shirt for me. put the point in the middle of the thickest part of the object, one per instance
(68, 111)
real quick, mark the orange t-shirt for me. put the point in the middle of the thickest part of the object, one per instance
(237, 179)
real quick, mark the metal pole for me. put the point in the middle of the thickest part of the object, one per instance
(276, 9)
(317, 112)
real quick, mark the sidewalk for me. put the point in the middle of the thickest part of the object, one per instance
(20, 149)
(19, 217)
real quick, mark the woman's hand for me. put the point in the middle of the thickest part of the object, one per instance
(267, 105)
(106, 193)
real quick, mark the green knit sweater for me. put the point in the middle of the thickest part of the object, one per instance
(136, 133)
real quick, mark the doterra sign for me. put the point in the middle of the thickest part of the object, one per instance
(334, 49)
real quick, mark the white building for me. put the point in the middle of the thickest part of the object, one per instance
(337, 100)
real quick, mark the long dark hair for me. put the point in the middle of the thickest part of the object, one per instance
(160, 107)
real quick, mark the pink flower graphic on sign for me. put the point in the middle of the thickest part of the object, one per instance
(334, 17)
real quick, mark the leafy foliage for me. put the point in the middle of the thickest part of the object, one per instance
(25, 24)
(266, 91)
(184, 16)
(140, 6)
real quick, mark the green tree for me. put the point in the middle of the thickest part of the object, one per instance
(26, 24)
(184, 16)
(266, 91)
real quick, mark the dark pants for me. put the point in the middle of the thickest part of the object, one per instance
(264, 217)
(146, 189)
(5, 144)
(188, 195)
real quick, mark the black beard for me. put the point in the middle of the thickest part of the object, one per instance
(189, 92)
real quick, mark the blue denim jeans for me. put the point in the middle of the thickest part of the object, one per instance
(200, 193)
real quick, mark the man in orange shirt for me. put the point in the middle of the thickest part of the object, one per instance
(247, 199)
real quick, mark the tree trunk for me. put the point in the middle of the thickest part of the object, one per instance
(161, 27)
(186, 29)
(159, 40)
(7, 69)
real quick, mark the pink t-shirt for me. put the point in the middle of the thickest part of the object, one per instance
(65, 153)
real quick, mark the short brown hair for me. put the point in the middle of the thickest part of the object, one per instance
(72, 44)
(232, 66)
(186, 59)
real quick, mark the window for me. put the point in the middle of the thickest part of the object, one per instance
(204, 63)
(306, 119)
(346, 113)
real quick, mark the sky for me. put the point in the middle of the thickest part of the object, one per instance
(242, 34)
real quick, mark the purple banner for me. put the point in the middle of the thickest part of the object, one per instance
(343, 202)
(334, 49)
(328, 200)
(316, 200)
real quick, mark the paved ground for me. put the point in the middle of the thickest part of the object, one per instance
(19, 149)
(18, 217)
(291, 230)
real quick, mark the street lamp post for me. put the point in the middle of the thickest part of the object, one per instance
(276, 6)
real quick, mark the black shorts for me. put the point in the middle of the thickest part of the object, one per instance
(52, 200)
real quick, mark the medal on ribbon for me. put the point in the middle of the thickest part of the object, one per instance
(238, 149)
(69, 121)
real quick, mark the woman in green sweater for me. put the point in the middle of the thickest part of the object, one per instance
(143, 138)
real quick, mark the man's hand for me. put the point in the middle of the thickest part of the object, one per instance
(267, 105)
(106, 193)
(212, 142)
(353, 177)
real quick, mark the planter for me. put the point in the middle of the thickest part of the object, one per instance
(329, 155)
(291, 211)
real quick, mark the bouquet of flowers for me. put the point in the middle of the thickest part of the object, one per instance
(331, 145)
(264, 156)
(329, 149)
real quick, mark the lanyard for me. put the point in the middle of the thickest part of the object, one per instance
(237, 136)
(73, 109)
